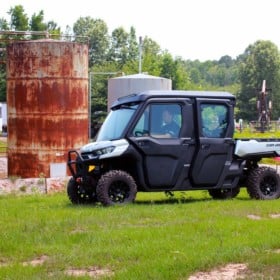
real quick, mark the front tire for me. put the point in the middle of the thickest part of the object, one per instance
(224, 193)
(116, 187)
(78, 194)
(263, 183)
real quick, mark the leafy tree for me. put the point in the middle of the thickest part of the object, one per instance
(219, 75)
(168, 67)
(133, 47)
(195, 76)
(260, 61)
(227, 61)
(151, 47)
(97, 32)
(174, 70)
(124, 47)
(213, 75)
(36, 23)
(19, 19)
(119, 46)
(181, 79)
(3, 27)
(99, 75)
(131, 67)
(151, 57)
(4, 24)
(53, 29)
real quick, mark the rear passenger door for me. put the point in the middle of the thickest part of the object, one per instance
(215, 144)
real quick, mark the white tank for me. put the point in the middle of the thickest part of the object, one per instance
(125, 85)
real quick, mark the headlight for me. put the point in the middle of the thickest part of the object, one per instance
(96, 153)
(104, 151)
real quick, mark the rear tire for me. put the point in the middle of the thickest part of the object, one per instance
(116, 187)
(263, 183)
(224, 193)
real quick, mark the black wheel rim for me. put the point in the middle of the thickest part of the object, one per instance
(268, 186)
(118, 192)
(83, 194)
(226, 191)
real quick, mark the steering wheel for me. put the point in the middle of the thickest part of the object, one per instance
(139, 133)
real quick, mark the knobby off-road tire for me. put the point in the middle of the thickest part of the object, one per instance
(263, 183)
(116, 187)
(224, 193)
(78, 195)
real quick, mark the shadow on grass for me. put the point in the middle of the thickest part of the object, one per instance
(143, 198)
(187, 197)
(171, 201)
(185, 200)
(166, 201)
(162, 201)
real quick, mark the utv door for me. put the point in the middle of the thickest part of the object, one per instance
(214, 151)
(165, 155)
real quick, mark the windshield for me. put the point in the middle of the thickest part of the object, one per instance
(116, 122)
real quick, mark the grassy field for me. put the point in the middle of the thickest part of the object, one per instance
(46, 237)
(157, 237)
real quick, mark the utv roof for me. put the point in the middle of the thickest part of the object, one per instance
(142, 96)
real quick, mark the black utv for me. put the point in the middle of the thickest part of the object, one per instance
(171, 141)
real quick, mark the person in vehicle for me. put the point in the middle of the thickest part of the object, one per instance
(170, 127)
(215, 127)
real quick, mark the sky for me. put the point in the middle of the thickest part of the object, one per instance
(190, 29)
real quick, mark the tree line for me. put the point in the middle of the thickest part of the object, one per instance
(118, 52)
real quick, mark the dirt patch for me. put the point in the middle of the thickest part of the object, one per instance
(91, 272)
(3, 263)
(256, 217)
(228, 272)
(253, 217)
(37, 261)
(274, 216)
(77, 230)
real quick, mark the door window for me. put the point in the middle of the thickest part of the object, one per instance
(160, 121)
(214, 119)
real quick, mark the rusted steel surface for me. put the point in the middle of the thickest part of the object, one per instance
(47, 96)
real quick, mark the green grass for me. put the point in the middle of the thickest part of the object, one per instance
(3, 144)
(247, 133)
(3, 147)
(154, 238)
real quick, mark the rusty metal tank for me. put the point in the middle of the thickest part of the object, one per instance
(47, 98)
